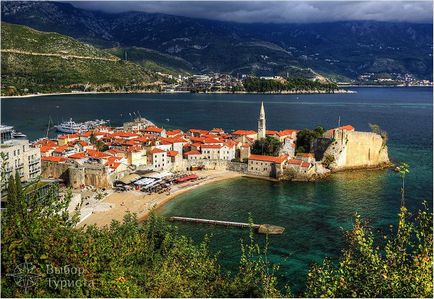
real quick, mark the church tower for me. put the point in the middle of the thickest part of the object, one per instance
(261, 122)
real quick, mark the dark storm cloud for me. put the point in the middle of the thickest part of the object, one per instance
(278, 12)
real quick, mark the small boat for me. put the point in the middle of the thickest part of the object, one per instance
(18, 135)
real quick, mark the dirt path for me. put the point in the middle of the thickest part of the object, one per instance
(64, 56)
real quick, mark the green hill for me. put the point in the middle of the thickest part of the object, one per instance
(34, 61)
(153, 60)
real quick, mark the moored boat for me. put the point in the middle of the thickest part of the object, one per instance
(72, 127)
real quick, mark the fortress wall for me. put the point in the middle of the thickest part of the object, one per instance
(355, 150)
(94, 176)
(54, 170)
(210, 165)
(364, 149)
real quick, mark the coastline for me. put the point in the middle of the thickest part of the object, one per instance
(140, 204)
(340, 91)
(289, 92)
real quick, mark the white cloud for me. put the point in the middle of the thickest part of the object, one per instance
(278, 12)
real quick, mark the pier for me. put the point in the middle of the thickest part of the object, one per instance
(260, 228)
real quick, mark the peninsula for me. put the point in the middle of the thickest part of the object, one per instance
(140, 166)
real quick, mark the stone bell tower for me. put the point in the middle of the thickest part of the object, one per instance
(261, 122)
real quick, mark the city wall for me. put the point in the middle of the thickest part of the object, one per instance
(357, 150)
(76, 175)
(186, 165)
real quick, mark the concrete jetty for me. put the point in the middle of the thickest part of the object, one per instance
(260, 228)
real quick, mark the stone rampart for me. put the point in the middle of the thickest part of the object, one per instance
(357, 150)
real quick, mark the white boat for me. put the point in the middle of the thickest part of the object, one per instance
(18, 135)
(70, 127)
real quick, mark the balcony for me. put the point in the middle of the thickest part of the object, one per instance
(20, 165)
(34, 170)
(34, 161)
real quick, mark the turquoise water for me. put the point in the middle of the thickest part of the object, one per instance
(314, 214)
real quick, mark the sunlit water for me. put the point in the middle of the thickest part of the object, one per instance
(314, 214)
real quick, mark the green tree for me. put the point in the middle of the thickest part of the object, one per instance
(402, 267)
(92, 139)
(306, 137)
(266, 146)
(403, 169)
(377, 130)
(399, 265)
(126, 259)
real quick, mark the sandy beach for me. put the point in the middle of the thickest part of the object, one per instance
(137, 202)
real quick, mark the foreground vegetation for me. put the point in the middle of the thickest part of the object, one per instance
(152, 260)
(123, 260)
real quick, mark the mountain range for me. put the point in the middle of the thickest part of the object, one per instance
(339, 50)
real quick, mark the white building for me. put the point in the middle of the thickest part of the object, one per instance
(18, 156)
(158, 159)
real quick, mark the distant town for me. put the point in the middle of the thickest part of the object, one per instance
(217, 82)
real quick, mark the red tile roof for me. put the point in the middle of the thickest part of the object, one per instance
(83, 143)
(305, 164)
(295, 161)
(243, 132)
(271, 132)
(68, 136)
(212, 140)
(86, 134)
(172, 153)
(61, 149)
(112, 162)
(217, 130)
(277, 160)
(197, 139)
(173, 132)
(141, 139)
(45, 142)
(347, 128)
(201, 132)
(287, 132)
(53, 159)
(157, 151)
(45, 149)
(79, 155)
(96, 154)
(123, 134)
(230, 143)
(154, 129)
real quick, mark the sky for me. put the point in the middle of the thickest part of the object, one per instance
(277, 11)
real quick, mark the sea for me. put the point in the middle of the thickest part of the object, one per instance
(315, 215)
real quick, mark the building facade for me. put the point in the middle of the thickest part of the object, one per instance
(19, 157)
